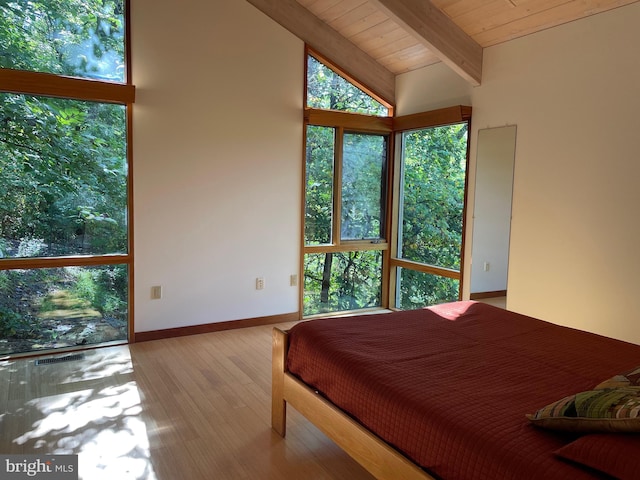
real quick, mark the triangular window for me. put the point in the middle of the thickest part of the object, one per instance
(327, 90)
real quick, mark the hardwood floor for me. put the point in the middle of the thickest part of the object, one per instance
(194, 407)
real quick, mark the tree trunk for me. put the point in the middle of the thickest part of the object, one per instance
(326, 278)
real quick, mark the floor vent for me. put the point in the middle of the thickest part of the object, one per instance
(66, 358)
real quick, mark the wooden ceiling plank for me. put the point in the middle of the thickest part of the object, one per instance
(549, 18)
(445, 5)
(408, 65)
(385, 31)
(417, 51)
(464, 7)
(388, 44)
(495, 14)
(321, 8)
(329, 43)
(355, 15)
(344, 7)
(438, 32)
(364, 23)
(408, 59)
(393, 47)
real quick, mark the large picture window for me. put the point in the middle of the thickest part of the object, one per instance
(343, 263)
(65, 242)
(384, 199)
(431, 197)
(346, 195)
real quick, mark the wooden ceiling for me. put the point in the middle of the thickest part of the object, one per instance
(390, 37)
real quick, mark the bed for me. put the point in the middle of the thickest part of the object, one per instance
(444, 393)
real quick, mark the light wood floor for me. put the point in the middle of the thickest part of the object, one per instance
(194, 407)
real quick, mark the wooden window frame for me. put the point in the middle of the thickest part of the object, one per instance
(73, 88)
(423, 120)
(390, 126)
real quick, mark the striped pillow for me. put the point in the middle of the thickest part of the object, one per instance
(630, 378)
(607, 410)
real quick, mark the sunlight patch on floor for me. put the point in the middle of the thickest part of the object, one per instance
(100, 423)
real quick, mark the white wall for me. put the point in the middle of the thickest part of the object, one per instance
(430, 88)
(217, 171)
(573, 93)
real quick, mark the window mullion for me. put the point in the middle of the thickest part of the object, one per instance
(50, 85)
(337, 186)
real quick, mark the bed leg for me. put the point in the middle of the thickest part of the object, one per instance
(280, 342)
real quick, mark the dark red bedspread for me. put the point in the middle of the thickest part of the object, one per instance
(450, 385)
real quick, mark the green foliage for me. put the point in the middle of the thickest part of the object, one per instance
(363, 180)
(84, 286)
(434, 173)
(64, 174)
(12, 324)
(319, 185)
(329, 91)
(83, 38)
(111, 291)
(16, 315)
(418, 290)
(30, 298)
(433, 192)
(431, 210)
(105, 288)
(433, 200)
(355, 281)
(350, 280)
(63, 162)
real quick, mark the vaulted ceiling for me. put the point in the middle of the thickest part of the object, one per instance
(375, 40)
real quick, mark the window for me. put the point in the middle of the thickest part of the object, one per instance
(346, 178)
(367, 245)
(431, 198)
(65, 242)
(344, 270)
(328, 90)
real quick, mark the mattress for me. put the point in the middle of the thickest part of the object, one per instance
(449, 386)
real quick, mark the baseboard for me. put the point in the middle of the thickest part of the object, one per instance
(481, 295)
(214, 327)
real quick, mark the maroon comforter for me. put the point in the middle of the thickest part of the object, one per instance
(449, 386)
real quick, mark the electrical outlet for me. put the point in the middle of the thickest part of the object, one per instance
(156, 292)
(259, 283)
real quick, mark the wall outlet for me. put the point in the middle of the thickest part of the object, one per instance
(156, 292)
(259, 283)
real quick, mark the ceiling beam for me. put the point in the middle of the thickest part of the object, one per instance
(438, 33)
(329, 43)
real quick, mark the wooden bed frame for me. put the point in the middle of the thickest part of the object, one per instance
(376, 456)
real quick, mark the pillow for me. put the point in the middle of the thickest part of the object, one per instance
(630, 378)
(617, 455)
(608, 410)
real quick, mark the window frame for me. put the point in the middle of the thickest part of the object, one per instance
(75, 88)
(337, 244)
(435, 118)
(393, 127)
(347, 122)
